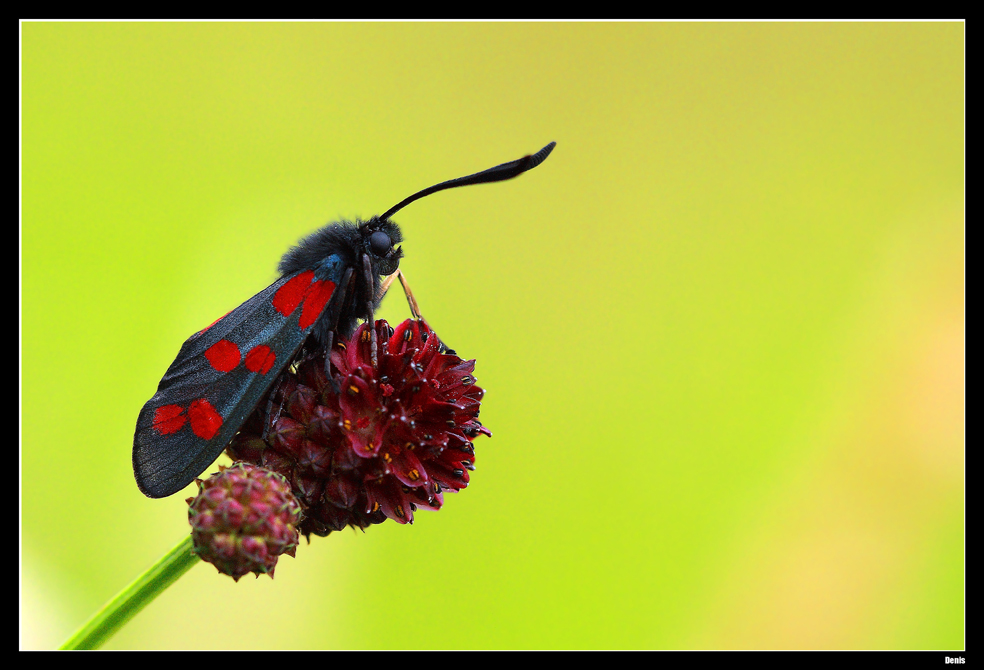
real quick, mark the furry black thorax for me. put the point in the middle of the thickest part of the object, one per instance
(350, 241)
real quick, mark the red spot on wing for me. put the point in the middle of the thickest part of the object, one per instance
(223, 355)
(260, 359)
(290, 295)
(314, 302)
(205, 421)
(169, 419)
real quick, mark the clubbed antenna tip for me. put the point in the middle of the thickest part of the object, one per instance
(497, 173)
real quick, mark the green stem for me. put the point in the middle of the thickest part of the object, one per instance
(133, 598)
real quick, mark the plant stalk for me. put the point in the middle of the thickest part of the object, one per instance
(114, 614)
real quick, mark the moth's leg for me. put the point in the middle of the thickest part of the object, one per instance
(414, 309)
(370, 321)
(270, 420)
(335, 310)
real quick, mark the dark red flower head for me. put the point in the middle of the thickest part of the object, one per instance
(386, 435)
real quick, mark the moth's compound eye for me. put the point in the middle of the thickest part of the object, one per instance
(380, 243)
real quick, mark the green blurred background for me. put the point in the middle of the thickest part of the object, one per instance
(721, 329)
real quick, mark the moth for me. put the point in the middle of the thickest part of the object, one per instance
(328, 282)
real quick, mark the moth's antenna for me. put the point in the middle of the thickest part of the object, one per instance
(497, 173)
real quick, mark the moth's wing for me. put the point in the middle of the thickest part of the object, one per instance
(221, 374)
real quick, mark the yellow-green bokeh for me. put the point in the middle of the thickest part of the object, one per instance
(721, 329)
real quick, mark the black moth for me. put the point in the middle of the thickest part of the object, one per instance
(331, 280)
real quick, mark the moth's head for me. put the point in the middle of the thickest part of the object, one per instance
(379, 240)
